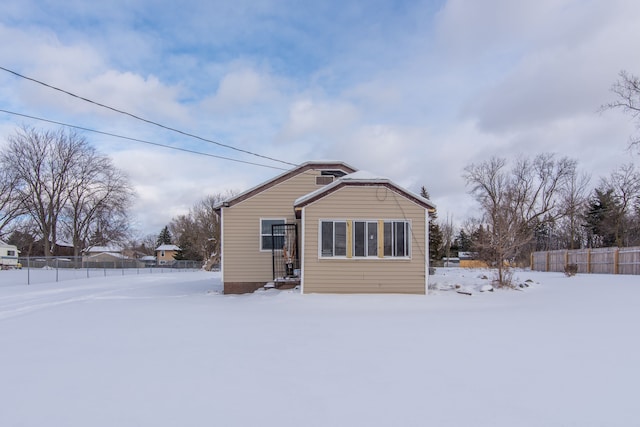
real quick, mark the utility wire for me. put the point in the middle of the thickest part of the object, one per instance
(139, 140)
(143, 119)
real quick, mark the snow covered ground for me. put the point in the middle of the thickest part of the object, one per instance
(170, 350)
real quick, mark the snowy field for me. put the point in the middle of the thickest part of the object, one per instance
(170, 350)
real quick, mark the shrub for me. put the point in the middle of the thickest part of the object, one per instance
(571, 269)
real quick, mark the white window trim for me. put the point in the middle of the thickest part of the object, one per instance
(260, 235)
(408, 240)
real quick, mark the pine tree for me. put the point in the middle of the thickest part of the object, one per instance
(463, 242)
(435, 233)
(603, 219)
(164, 238)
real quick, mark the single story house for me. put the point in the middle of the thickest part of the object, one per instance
(329, 229)
(165, 254)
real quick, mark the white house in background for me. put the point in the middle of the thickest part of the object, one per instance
(148, 260)
(103, 254)
(165, 254)
(8, 255)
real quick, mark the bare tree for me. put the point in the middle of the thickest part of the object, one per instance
(625, 185)
(447, 235)
(99, 196)
(574, 195)
(41, 161)
(514, 202)
(59, 177)
(198, 233)
(627, 89)
(10, 200)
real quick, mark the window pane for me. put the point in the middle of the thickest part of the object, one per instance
(400, 246)
(372, 238)
(327, 238)
(265, 234)
(278, 242)
(266, 224)
(341, 239)
(359, 238)
(388, 242)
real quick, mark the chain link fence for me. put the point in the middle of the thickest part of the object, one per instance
(31, 270)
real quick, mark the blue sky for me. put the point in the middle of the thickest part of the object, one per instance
(414, 90)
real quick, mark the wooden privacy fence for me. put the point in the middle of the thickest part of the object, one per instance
(599, 260)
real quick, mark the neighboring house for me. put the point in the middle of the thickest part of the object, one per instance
(328, 228)
(104, 254)
(94, 250)
(148, 260)
(8, 255)
(165, 254)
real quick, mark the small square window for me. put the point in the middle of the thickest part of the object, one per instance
(267, 240)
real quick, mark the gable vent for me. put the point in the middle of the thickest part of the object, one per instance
(324, 180)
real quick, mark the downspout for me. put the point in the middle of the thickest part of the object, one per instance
(426, 252)
(302, 249)
(222, 246)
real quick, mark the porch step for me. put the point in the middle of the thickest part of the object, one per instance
(286, 283)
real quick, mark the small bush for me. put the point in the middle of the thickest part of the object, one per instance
(571, 270)
(504, 280)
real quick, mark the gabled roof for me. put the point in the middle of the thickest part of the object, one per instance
(102, 249)
(311, 165)
(167, 248)
(109, 254)
(361, 178)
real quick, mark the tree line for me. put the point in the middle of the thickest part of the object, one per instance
(55, 187)
(545, 203)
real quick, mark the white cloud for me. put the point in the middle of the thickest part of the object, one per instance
(415, 99)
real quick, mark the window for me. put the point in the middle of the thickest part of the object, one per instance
(396, 242)
(365, 241)
(268, 243)
(334, 238)
(365, 238)
(11, 253)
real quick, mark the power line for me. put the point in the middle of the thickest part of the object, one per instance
(143, 119)
(157, 144)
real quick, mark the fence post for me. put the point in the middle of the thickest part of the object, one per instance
(547, 261)
(589, 260)
(616, 260)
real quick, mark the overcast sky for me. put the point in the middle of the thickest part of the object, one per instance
(412, 90)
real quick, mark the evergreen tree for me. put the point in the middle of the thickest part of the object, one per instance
(435, 233)
(463, 242)
(602, 219)
(164, 238)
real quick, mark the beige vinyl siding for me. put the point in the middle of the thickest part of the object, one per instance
(167, 257)
(243, 260)
(364, 275)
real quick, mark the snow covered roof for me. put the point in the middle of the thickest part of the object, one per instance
(103, 249)
(315, 165)
(148, 258)
(167, 248)
(110, 254)
(360, 178)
